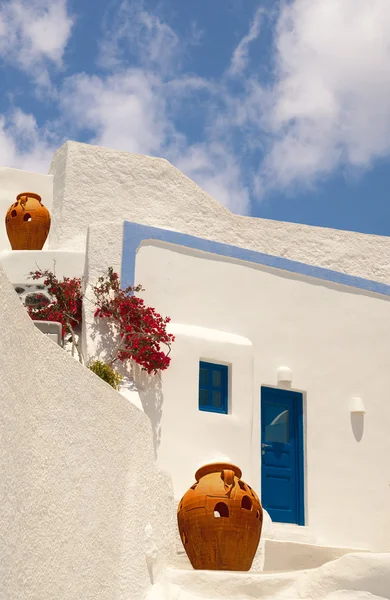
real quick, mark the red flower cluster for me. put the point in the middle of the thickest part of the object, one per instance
(65, 306)
(141, 330)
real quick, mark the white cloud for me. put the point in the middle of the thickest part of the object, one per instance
(240, 55)
(22, 144)
(124, 111)
(133, 109)
(129, 111)
(33, 35)
(330, 106)
(131, 29)
(33, 32)
(215, 168)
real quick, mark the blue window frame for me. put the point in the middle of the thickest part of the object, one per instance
(213, 387)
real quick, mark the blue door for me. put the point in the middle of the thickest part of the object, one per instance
(282, 491)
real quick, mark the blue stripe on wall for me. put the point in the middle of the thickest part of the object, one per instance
(134, 234)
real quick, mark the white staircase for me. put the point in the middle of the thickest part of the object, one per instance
(290, 565)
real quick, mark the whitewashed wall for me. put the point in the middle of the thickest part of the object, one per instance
(85, 512)
(335, 339)
(103, 250)
(94, 185)
(204, 437)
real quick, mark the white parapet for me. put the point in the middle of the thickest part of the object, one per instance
(94, 185)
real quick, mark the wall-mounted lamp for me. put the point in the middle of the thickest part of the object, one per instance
(356, 406)
(284, 375)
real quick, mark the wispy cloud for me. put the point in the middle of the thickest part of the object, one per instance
(34, 31)
(239, 59)
(33, 38)
(130, 30)
(23, 144)
(326, 104)
(330, 104)
(125, 111)
(134, 109)
(216, 169)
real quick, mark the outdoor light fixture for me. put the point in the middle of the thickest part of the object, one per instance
(357, 406)
(284, 375)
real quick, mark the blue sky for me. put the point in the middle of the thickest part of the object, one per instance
(278, 109)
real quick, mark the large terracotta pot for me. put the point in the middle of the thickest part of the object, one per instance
(220, 519)
(27, 222)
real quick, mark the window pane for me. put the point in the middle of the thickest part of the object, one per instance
(276, 423)
(203, 377)
(216, 399)
(203, 397)
(216, 379)
(213, 387)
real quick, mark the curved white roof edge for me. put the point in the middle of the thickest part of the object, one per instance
(205, 333)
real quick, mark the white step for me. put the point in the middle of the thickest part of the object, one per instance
(289, 533)
(282, 556)
(276, 556)
(351, 577)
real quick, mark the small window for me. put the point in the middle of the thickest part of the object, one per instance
(213, 387)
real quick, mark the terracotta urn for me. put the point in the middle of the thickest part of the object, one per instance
(27, 222)
(220, 519)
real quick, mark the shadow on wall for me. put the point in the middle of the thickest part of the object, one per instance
(357, 423)
(149, 388)
(103, 336)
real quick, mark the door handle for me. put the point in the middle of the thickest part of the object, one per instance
(266, 445)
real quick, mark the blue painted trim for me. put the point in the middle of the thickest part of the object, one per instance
(134, 234)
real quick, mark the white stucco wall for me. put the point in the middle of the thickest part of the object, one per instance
(336, 341)
(18, 264)
(14, 182)
(103, 250)
(98, 185)
(204, 437)
(85, 512)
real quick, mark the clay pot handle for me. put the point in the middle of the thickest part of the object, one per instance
(227, 476)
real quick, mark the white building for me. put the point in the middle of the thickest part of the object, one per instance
(282, 347)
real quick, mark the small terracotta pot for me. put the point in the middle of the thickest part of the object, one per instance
(27, 222)
(220, 519)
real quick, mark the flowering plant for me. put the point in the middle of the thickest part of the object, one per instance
(139, 331)
(65, 305)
